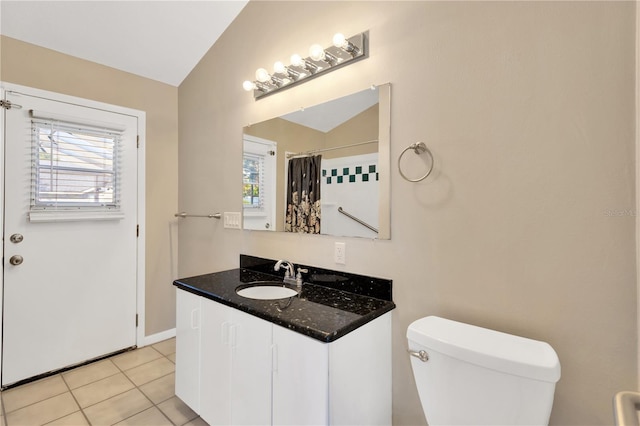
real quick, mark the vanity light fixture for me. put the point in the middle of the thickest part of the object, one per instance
(343, 51)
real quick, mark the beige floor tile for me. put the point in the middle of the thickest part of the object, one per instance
(30, 393)
(118, 408)
(150, 371)
(166, 347)
(44, 411)
(102, 389)
(160, 389)
(172, 358)
(135, 358)
(177, 411)
(151, 416)
(74, 419)
(89, 373)
(197, 422)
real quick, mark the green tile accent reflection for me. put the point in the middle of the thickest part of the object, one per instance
(358, 170)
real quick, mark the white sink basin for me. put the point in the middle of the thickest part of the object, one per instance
(267, 291)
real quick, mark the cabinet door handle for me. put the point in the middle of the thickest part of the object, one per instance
(195, 319)
(274, 358)
(232, 335)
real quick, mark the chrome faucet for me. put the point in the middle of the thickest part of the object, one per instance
(289, 273)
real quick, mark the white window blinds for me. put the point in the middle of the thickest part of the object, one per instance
(74, 167)
(253, 190)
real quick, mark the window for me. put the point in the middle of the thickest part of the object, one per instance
(258, 183)
(74, 167)
(253, 181)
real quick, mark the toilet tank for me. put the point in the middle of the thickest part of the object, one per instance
(482, 377)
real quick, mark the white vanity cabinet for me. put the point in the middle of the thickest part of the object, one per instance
(254, 372)
(235, 381)
(345, 382)
(188, 348)
(300, 379)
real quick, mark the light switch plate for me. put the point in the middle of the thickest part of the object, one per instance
(232, 220)
(339, 253)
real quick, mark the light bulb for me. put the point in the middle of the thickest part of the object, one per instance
(279, 68)
(296, 60)
(340, 41)
(262, 75)
(316, 52)
(248, 85)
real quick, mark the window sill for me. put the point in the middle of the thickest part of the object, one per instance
(73, 216)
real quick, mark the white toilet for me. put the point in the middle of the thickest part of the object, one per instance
(477, 376)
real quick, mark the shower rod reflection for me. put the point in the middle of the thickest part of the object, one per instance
(315, 151)
(184, 214)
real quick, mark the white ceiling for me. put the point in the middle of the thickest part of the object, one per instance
(331, 114)
(160, 40)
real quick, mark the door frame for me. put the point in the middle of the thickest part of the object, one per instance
(140, 250)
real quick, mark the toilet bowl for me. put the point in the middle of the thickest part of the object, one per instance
(468, 375)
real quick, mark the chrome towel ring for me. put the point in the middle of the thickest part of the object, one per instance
(418, 148)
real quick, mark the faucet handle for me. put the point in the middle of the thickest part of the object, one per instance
(299, 276)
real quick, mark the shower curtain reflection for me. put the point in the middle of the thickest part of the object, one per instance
(303, 195)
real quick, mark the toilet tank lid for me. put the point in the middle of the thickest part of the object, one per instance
(488, 348)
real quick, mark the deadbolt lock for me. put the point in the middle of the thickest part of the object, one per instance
(16, 238)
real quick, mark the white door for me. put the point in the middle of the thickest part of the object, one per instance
(70, 235)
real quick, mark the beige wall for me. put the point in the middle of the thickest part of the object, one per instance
(528, 108)
(29, 65)
(360, 128)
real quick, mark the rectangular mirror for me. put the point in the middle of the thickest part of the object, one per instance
(321, 170)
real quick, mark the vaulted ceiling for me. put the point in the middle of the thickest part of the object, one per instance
(157, 39)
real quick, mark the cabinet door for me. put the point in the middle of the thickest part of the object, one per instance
(236, 367)
(188, 348)
(215, 385)
(300, 379)
(250, 341)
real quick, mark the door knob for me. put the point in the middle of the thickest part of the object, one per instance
(16, 259)
(16, 238)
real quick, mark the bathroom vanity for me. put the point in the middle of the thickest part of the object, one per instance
(322, 356)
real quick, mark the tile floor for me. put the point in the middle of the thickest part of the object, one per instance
(134, 388)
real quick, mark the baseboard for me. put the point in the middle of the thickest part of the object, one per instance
(158, 337)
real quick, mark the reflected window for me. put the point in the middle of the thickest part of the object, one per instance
(259, 183)
(252, 180)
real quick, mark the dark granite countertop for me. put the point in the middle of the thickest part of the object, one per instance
(318, 311)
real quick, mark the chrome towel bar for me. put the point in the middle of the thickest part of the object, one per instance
(625, 408)
(184, 214)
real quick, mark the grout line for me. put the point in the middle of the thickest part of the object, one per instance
(120, 370)
(4, 414)
(75, 399)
